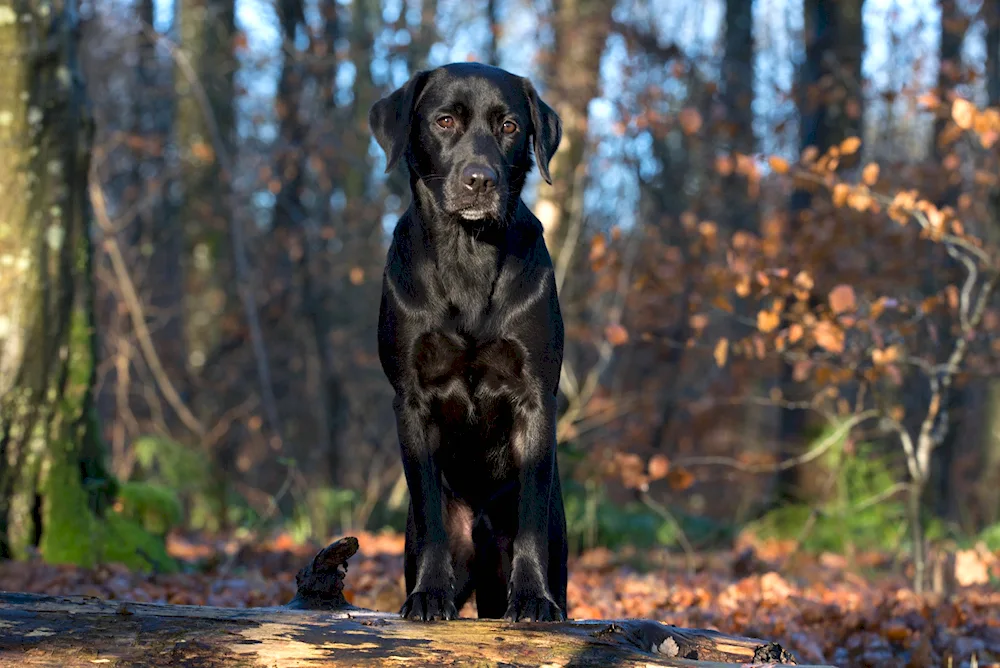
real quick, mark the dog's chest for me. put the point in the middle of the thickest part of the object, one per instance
(467, 273)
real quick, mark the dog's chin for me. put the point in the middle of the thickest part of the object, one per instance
(475, 214)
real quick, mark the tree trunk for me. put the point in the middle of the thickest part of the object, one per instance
(53, 483)
(572, 79)
(738, 136)
(496, 28)
(205, 116)
(988, 484)
(991, 15)
(204, 126)
(831, 104)
(954, 24)
(158, 220)
(319, 626)
(952, 33)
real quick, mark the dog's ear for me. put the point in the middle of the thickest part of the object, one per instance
(546, 130)
(389, 119)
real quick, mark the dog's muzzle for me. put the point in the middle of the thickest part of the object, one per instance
(477, 195)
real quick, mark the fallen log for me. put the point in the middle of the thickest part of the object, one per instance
(320, 627)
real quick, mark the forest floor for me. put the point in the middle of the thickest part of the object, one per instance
(824, 608)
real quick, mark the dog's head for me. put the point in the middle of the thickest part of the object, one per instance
(466, 130)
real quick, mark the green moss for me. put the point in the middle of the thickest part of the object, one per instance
(68, 525)
(153, 506)
(125, 541)
(991, 536)
(170, 463)
(848, 519)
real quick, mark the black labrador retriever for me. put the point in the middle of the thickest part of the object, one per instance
(471, 338)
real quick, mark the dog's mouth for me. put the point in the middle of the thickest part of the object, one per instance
(474, 213)
(475, 208)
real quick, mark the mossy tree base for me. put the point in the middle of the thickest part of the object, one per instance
(54, 487)
(319, 628)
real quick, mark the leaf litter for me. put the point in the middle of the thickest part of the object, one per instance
(818, 607)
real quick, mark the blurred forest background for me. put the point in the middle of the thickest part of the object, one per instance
(775, 227)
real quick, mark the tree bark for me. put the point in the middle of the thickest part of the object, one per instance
(738, 136)
(831, 109)
(158, 221)
(987, 491)
(53, 482)
(954, 25)
(572, 78)
(319, 626)
(205, 95)
(991, 15)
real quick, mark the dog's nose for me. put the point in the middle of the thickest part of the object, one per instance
(479, 178)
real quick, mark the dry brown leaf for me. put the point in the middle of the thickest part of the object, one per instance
(202, 152)
(870, 173)
(659, 467)
(929, 100)
(720, 302)
(850, 145)
(971, 568)
(743, 286)
(842, 299)
(768, 321)
(631, 470)
(963, 113)
(840, 194)
(888, 355)
(680, 479)
(829, 337)
(690, 120)
(860, 199)
(598, 247)
(779, 165)
(616, 334)
(721, 352)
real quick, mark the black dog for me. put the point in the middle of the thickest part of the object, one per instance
(471, 338)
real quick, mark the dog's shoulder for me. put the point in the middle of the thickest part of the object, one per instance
(406, 273)
(527, 220)
(408, 241)
(528, 241)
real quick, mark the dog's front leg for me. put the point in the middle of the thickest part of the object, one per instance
(430, 590)
(534, 440)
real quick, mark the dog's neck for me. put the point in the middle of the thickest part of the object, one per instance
(468, 255)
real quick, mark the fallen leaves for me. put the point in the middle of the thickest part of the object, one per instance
(814, 606)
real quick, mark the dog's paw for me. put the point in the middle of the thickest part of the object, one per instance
(531, 607)
(425, 606)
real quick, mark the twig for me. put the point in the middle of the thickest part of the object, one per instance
(682, 538)
(814, 453)
(579, 397)
(138, 317)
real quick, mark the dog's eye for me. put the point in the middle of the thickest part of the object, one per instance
(509, 127)
(446, 122)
